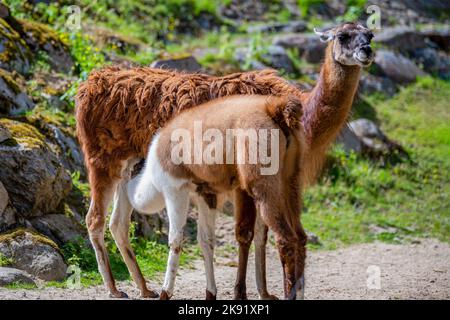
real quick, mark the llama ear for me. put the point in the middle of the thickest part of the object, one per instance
(325, 36)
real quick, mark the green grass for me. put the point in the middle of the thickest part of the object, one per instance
(20, 285)
(5, 261)
(407, 200)
(150, 254)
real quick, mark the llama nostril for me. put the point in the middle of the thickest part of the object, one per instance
(367, 50)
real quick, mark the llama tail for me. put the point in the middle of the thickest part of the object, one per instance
(286, 112)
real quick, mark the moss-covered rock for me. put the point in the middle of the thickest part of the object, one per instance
(33, 253)
(32, 174)
(14, 52)
(61, 228)
(39, 37)
(12, 100)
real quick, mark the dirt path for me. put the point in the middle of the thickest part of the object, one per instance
(413, 271)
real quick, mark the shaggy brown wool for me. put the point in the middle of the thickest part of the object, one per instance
(122, 108)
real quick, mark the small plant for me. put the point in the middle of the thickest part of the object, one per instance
(5, 261)
(82, 186)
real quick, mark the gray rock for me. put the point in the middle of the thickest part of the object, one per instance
(10, 276)
(278, 58)
(7, 218)
(188, 64)
(407, 12)
(309, 46)
(363, 136)
(349, 140)
(291, 26)
(397, 67)
(275, 57)
(401, 38)
(39, 37)
(33, 176)
(440, 37)
(14, 53)
(433, 61)
(369, 84)
(7, 214)
(58, 227)
(12, 100)
(34, 254)
(64, 146)
(3, 198)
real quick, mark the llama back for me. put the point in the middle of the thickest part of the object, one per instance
(124, 107)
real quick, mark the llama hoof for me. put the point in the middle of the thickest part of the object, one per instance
(118, 295)
(164, 295)
(210, 296)
(149, 294)
(301, 292)
(269, 297)
(240, 296)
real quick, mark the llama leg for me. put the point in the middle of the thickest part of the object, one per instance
(294, 204)
(102, 188)
(273, 213)
(300, 256)
(206, 238)
(260, 259)
(177, 206)
(245, 213)
(120, 228)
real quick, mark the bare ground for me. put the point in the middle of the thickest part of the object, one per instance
(409, 271)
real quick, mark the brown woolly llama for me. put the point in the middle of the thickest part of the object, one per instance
(119, 110)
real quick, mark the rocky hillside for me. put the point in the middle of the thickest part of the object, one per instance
(43, 189)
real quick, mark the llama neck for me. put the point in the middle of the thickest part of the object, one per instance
(329, 103)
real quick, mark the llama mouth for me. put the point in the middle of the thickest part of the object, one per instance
(365, 62)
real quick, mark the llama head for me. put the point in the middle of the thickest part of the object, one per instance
(350, 44)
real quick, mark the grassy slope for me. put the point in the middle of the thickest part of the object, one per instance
(407, 200)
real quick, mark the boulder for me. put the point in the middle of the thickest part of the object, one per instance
(33, 253)
(10, 276)
(369, 84)
(58, 227)
(187, 64)
(14, 52)
(440, 37)
(401, 38)
(363, 136)
(396, 67)
(309, 46)
(35, 180)
(62, 142)
(275, 57)
(12, 100)
(433, 61)
(39, 37)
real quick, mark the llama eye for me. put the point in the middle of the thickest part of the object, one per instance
(343, 37)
